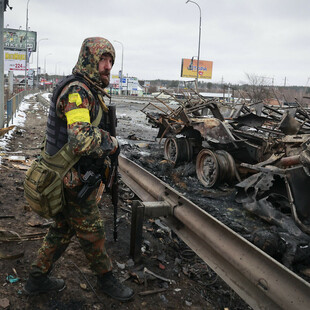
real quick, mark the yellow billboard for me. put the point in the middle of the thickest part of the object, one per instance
(189, 68)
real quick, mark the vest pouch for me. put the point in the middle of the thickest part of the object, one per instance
(43, 189)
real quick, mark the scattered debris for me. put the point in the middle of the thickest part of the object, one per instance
(24, 166)
(3, 131)
(188, 303)
(141, 277)
(4, 303)
(39, 223)
(161, 266)
(7, 216)
(10, 236)
(120, 266)
(11, 256)
(151, 292)
(132, 137)
(16, 158)
(12, 279)
(145, 270)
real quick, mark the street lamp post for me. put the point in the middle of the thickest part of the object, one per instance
(45, 65)
(38, 60)
(26, 56)
(56, 67)
(56, 70)
(198, 42)
(121, 77)
(45, 62)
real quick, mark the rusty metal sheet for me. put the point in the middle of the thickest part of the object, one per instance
(212, 128)
(289, 125)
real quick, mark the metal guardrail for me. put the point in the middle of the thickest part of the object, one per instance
(257, 278)
(12, 105)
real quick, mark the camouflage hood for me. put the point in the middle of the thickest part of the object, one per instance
(91, 51)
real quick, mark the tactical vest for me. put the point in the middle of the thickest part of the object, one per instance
(56, 153)
(43, 184)
(56, 131)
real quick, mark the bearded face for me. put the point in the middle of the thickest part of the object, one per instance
(104, 68)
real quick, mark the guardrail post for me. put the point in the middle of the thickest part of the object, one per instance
(153, 209)
(137, 217)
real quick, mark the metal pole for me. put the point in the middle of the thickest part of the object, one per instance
(38, 61)
(1, 65)
(45, 62)
(121, 77)
(198, 42)
(26, 56)
(56, 70)
(45, 66)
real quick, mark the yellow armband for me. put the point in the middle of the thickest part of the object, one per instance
(78, 115)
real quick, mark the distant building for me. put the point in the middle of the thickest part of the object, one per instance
(129, 86)
(226, 96)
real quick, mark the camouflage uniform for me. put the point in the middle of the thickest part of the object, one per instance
(76, 105)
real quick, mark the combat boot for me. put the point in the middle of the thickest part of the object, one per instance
(109, 285)
(43, 284)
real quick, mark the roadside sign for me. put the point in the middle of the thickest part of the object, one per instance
(15, 39)
(14, 60)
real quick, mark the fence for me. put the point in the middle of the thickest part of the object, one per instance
(12, 105)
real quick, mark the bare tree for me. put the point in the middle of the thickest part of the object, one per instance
(258, 88)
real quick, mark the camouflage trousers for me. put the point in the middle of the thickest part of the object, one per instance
(83, 221)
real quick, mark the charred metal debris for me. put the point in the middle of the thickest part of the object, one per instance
(251, 145)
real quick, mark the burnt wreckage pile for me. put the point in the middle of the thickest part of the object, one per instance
(252, 146)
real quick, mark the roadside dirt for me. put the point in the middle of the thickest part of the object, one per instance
(190, 283)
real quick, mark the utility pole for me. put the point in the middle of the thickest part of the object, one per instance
(26, 56)
(38, 60)
(198, 57)
(1, 65)
(121, 73)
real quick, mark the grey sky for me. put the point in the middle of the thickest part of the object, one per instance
(268, 38)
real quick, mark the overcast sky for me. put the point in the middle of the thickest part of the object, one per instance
(269, 38)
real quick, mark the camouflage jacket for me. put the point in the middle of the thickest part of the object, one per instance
(76, 105)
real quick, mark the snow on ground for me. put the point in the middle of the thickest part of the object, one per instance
(46, 96)
(18, 121)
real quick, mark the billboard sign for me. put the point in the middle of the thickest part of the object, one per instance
(114, 81)
(14, 60)
(189, 68)
(14, 39)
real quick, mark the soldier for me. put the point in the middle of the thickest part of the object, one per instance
(74, 110)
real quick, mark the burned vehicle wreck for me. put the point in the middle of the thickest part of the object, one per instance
(251, 146)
